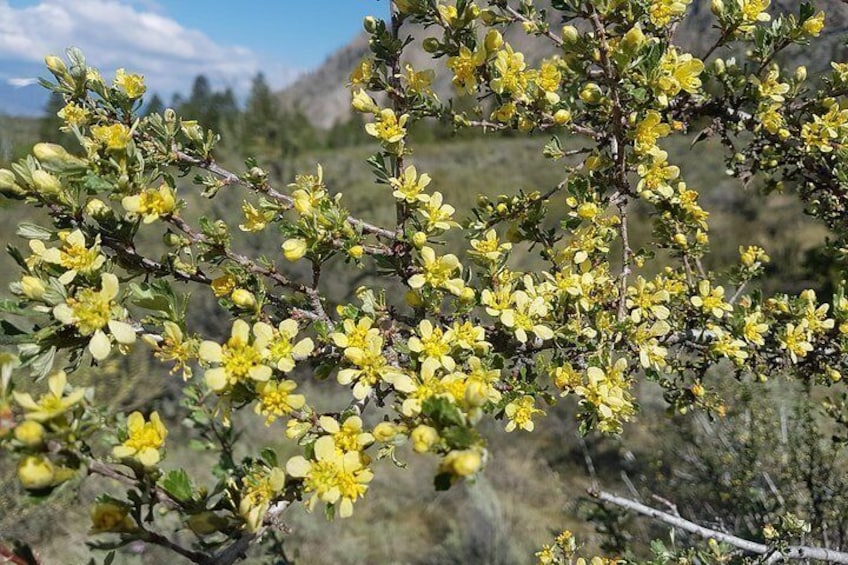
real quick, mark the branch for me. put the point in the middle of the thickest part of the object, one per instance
(793, 552)
(285, 199)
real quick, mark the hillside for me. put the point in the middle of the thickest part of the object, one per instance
(323, 97)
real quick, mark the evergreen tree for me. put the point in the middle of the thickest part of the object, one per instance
(154, 106)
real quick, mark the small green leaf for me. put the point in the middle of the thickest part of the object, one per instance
(178, 485)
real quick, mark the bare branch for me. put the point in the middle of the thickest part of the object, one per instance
(794, 552)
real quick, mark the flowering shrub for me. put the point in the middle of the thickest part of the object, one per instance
(472, 338)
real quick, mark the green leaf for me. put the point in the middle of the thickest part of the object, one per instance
(442, 412)
(34, 231)
(178, 485)
(269, 456)
(11, 306)
(459, 437)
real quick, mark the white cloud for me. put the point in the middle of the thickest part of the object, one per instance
(21, 82)
(134, 35)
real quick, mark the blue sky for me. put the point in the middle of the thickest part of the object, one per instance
(171, 41)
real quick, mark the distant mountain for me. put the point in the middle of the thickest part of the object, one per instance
(323, 97)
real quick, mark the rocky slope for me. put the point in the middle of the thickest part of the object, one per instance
(323, 97)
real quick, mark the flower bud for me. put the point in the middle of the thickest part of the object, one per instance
(45, 182)
(294, 249)
(56, 156)
(357, 251)
(8, 183)
(591, 94)
(36, 472)
(717, 8)
(423, 438)
(801, 74)
(464, 463)
(370, 24)
(431, 45)
(569, 35)
(169, 115)
(719, 66)
(361, 102)
(633, 39)
(385, 431)
(243, 298)
(489, 17)
(562, 117)
(30, 433)
(494, 40)
(32, 287)
(419, 239)
(55, 65)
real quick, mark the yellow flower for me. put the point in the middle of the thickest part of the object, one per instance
(53, 403)
(489, 249)
(279, 344)
(371, 367)
(410, 187)
(349, 435)
(754, 328)
(332, 476)
(437, 272)
(115, 136)
(464, 67)
(362, 74)
(73, 255)
(131, 84)
(73, 115)
(151, 203)
(223, 285)
(387, 127)
(813, 26)
(144, 439)
(752, 12)
(662, 12)
(467, 336)
(356, 334)
(433, 344)
(711, 300)
(418, 82)
(795, 340)
(608, 393)
(438, 216)
(511, 77)
(259, 488)
(173, 346)
(526, 317)
(520, 413)
(648, 131)
(276, 399)
(111, 517)
(309, 192)
(238, 360)
(91, 311)
(677, 73)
